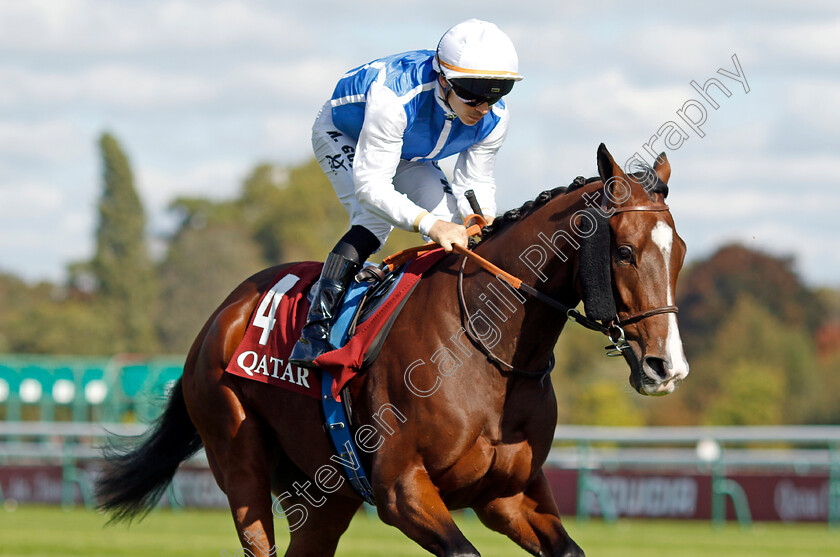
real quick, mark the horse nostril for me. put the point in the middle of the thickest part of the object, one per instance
(658, 366)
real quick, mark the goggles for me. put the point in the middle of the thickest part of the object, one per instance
(472, 98)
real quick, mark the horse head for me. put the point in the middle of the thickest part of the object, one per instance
(644, 254)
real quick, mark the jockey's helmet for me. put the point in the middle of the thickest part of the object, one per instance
(478, 59)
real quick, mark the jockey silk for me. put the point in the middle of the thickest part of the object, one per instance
(393, 108)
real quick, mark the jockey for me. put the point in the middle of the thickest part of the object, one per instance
(379, 137)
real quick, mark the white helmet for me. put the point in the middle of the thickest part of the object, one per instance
(476, 49)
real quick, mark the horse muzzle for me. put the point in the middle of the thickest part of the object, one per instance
(655, 375)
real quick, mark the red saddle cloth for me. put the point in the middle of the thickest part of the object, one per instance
(273, 330)
(275, 327)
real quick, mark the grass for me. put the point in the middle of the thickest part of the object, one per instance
(33, 531)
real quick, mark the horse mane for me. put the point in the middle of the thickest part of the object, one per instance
(641, 171)
(514, 215)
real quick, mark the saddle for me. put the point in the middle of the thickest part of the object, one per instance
(368, 311)
(367, 315)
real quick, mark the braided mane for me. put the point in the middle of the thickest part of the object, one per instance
(643, 173)
(515, 215)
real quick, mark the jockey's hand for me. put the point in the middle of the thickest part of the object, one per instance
(448, 233)
(489, 219)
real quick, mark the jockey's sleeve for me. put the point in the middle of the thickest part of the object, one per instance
(475, 165)
(377, 156)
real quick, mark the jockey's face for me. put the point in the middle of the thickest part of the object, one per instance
(469, 115)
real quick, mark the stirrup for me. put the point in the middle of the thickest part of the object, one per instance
(306, 351)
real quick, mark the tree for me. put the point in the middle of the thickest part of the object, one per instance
(591, 388)
(750, 340)
(710, 288)
(295, 214)
(605, 403)
(49, 319)
(826, 405)
(204, 264)
(16, 299)
(122, 267)
(752, 393)
(68, 326)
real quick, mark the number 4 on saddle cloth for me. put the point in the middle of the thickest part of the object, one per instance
(362, 322)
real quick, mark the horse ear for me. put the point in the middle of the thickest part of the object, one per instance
(606, 164)
(662, 167)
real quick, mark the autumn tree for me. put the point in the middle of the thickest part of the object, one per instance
(708, 290)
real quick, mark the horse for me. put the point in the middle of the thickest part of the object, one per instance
(472, 431)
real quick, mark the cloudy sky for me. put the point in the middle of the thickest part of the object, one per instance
(198, 92)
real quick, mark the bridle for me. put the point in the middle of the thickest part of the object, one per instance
(613, 329)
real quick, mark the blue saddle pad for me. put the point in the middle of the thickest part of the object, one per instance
(339, 334)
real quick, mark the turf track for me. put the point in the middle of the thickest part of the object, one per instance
(51, 532)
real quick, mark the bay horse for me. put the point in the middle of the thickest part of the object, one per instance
(471, 432)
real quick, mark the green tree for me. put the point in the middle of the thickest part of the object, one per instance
(122, 267)
(205, 262)
(591, 388)
(751, 394)
(605, 403)
(48, 319)
(294, 213)
(826, 407)
(69, 326)
(16, 299)
(749, 337)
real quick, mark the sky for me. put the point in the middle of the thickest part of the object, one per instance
(199, 92)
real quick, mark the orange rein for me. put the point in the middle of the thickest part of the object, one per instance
(476, 223)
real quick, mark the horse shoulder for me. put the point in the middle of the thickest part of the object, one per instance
(217, 342)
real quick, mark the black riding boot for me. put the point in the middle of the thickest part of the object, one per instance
(326, 294)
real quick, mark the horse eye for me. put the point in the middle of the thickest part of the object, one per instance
(625, 253)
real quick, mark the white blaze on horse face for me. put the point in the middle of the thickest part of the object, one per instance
(663, 237)
(676, 364)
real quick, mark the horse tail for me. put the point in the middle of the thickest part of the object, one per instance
(136, 477)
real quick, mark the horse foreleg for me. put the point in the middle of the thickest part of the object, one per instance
(531, 520)
(413, 505)
(316, 531)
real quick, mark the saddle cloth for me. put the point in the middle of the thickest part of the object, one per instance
(276, 323)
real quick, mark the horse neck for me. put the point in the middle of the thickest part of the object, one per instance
(536, 250)
(541, 248)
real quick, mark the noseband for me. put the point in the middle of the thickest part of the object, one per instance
(613, 329)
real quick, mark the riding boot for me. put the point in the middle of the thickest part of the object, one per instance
(326, 295)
